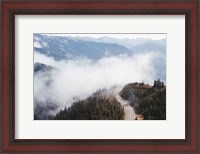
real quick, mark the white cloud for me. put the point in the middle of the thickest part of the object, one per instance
(41, 58)
(81, 77)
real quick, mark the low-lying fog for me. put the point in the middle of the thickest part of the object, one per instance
(77, 79)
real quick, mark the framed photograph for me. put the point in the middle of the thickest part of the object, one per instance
(100, 76)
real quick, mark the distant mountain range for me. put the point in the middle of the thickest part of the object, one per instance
(150, 46)
(66, 48)
(128, 43)
(60, 47)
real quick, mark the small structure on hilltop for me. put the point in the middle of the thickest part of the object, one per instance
(141, 85)
(158, 84)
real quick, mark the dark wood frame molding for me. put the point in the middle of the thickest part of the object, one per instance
(115, 7)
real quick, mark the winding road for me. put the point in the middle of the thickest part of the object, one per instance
(129, 111)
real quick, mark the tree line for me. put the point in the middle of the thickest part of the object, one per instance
(95, 107)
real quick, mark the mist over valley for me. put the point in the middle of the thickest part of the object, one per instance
(82, 78)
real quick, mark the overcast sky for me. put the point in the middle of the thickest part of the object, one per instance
(120, 36)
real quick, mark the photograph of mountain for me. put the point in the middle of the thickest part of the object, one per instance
(99, 76)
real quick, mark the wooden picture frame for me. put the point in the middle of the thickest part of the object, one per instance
(11, 8)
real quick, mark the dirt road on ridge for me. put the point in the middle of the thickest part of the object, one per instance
(129, 111)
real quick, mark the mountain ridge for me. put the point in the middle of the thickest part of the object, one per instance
(60, 47)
